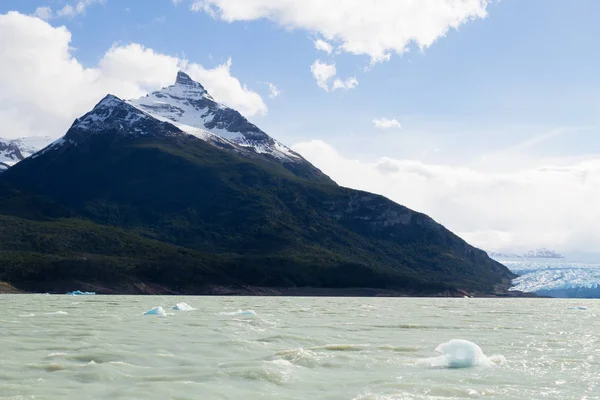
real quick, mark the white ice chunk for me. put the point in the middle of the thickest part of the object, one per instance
(245, 313)
(183, 307)
(156, 311)
(80, 293)
(58, 313)
(458, 353)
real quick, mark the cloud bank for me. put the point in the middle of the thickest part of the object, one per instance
(550, 206)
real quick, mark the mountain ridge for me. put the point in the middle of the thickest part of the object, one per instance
(160, 206)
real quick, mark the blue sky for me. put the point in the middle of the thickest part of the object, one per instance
(504, 96)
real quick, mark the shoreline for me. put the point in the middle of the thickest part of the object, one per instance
(143, 289)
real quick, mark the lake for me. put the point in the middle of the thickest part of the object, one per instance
(103, 347)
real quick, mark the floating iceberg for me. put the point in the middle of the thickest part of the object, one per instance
(459, 353)
(246, 313)
(80, 293)
(583, 308)
(183, 307)
(156, 311)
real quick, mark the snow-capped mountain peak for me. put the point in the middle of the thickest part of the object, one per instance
(182, 108)
(190, 107)
(14, 150)
(184, 79)
(111, 112)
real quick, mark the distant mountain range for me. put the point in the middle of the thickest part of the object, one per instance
(176, 193)
(14, 150)
(539, 253)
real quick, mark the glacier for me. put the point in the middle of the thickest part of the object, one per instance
(556, 277)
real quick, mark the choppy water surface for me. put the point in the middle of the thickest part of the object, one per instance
(97, 347)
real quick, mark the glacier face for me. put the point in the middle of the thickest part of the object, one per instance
(556, 277)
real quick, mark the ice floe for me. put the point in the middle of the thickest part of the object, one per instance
(58, 313)
(156, 311)
(80, 293)
(242, 313)
(183, 307)
(458, 353)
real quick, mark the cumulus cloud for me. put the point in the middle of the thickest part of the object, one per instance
(324, 72)
(361, 27)
(322, 45)
(77, 8)
(349, 83)
(386, 123)
(555, 206)
(44, 13)
(43, 87)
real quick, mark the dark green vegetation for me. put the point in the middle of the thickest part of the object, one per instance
(168, 212)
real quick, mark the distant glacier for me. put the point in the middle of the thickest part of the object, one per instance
(556, 277)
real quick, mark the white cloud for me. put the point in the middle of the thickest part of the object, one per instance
(78, 8)
(555, 207)
(273, 90)
(322, 45)
(386, 123)
(361, 27)
(349, 83)
(44, 13)
(43, 87)
(324, 72)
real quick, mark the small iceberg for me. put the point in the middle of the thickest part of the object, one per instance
(459, 353)
(582, 308)
(80, 293)
(183, 307)
(240, 313)
(156, 311)
(58, 313)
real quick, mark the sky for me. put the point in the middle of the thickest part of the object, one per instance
(484, 114)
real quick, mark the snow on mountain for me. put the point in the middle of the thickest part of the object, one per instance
(192, 109)
(538, 253)
(15, 150)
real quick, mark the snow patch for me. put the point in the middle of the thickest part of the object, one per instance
(187, 105)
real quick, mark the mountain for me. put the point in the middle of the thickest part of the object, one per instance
(174, 193)
(538, 253)
(188, 106)
(15, 150)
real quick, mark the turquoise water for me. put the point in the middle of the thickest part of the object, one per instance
(102, 347)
